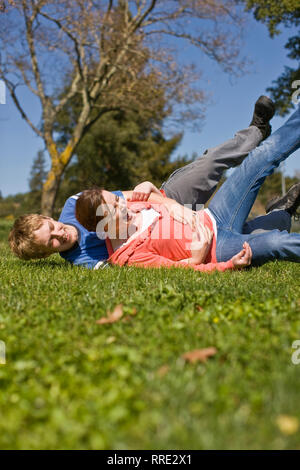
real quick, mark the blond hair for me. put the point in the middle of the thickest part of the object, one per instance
(21, 238)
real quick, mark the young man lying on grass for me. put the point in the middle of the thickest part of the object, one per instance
(36, 236)
(215, 241)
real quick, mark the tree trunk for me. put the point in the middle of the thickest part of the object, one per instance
(49, 192)
(52, 183)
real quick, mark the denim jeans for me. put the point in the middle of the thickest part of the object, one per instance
(196, 182)
(233, 202)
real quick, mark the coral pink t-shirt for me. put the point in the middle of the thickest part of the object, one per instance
(165, 243)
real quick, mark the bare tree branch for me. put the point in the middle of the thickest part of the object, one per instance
(138, 20)
(107, 52)
(30, 41)
(12, 87)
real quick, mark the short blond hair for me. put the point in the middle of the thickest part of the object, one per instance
(21, 238)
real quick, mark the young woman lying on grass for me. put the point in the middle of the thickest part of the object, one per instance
(215, 239)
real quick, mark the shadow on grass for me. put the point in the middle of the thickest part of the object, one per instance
(44, 263)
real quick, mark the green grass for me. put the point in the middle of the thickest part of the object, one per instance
(71, 383)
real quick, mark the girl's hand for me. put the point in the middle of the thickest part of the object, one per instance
(201, 243)
(180, 213)
(243, 258)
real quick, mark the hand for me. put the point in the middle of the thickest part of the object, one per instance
(142, 191)
(181, 213)
(243, 258)
(201, 243)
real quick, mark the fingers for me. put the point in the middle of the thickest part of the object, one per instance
(246, 254)
(139, 196)
(244, 257)
(205, 234)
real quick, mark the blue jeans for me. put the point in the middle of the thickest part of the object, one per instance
(233, 202)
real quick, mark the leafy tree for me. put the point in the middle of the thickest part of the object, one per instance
(120, 151)
(275, 14)
(289, 81)
(116, 56)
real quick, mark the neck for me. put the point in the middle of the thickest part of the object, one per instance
(132, 232)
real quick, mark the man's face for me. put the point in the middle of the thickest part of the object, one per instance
(55, 236)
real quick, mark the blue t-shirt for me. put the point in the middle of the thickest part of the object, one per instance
(89, 251)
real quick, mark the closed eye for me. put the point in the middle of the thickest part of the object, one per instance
(50, 225)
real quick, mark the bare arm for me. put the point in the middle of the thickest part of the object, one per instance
(146, 191)
(143, 192)
(201, 242)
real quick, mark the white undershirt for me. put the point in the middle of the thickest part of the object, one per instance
(148, 216)
(213, 221)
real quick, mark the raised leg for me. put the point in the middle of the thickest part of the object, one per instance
(280, 220)
(233, 202)
(194, 184)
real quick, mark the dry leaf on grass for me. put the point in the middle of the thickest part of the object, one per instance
(199, 308)
(199, 354)
(163, 370)
(287, 424)
(129, 317)
(112, 316)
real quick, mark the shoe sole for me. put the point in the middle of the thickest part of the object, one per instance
(286, 202)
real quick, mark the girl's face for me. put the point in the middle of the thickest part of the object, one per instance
(117, 217)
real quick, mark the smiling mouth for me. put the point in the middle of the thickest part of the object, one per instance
(66, 237)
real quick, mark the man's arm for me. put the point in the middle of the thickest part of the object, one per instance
(146, 191)
(143, 192)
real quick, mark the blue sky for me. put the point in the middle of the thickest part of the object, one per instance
(230, 108)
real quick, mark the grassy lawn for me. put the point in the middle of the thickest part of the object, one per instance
(71, 383)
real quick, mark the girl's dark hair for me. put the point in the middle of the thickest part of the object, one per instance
(86, 207)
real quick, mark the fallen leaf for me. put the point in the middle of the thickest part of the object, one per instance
(287, 424)
(110, 339)
(127, 318)
(131, 313)
(199, 354)
(163, 370)
(112, 316)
